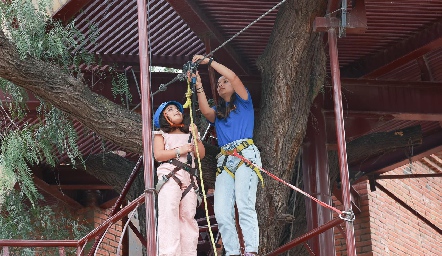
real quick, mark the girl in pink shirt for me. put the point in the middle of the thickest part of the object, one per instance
(177, 198)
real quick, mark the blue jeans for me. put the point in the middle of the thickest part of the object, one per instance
(242, 190)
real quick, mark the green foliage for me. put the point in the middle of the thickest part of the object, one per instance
(18, 220)
(17, 96)
(31, 28)
(26, 143)
(19, 149)
(120, 87)
(33, 144)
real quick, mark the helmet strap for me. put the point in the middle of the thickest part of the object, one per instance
(172, 124)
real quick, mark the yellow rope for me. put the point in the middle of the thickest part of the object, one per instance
(188, 104)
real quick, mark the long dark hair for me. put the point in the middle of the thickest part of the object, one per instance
(223, 111)
(166, 127)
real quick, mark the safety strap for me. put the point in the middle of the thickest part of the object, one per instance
(178, 166)
(243, 145)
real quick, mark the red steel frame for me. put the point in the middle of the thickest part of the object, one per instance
(147, 128)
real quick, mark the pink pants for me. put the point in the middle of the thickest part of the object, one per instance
(177, 229)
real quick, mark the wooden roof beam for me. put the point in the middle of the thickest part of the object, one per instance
(373, 66)
(202, 26)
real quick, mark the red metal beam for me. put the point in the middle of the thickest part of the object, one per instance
(355, 197)
(397, 55)
(138, 234)
(69, 9)
(55, 192)
(191, 13)
(424, 66)
(146, 110)
(39, 243)
(316, 178)
(407, 176)
(340, 134)
(356, 20)
(412, 100)
(306, 237)
(83, 187)
(124, 60)
(406, 206)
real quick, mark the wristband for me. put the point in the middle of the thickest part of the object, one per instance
(177, 150)
(210, 61)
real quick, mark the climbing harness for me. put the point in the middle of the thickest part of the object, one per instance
(180, 166)
(226, 153)
(345, 215)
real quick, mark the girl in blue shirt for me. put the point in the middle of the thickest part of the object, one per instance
(236, 182)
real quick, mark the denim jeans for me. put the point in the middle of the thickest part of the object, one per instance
(242, 190)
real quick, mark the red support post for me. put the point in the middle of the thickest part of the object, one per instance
(340, 133)
(316, 179)
(147, 127)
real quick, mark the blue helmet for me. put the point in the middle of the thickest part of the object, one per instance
(156, 116)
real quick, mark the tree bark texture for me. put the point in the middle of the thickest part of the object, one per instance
(111, 121)
(293, 71)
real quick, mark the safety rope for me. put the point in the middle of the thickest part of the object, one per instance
(195, 141)
(345, 215)
(182, 76)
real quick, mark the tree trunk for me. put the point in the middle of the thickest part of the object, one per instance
(293, 71)
(372, 146)
(111, 121)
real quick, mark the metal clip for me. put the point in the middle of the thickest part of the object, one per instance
(162, 88)
(347, 216)
(160, 183)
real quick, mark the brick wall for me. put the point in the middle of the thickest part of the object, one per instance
(396, 231)
(386, 228)
(110, 242)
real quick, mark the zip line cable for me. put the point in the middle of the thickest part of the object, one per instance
(182, 76)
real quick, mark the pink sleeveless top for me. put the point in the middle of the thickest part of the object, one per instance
(172, 141)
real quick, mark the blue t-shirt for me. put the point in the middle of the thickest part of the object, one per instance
(239, 124)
